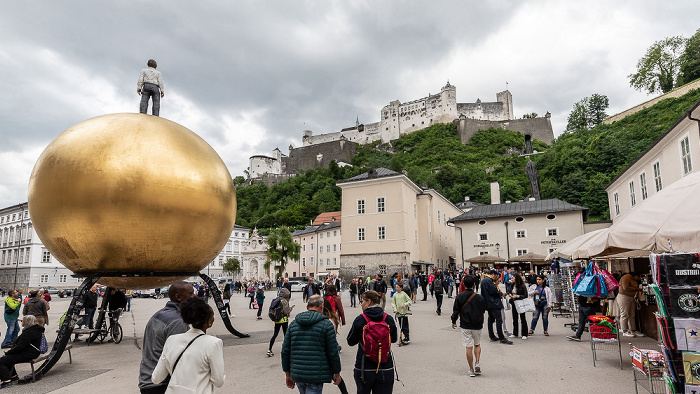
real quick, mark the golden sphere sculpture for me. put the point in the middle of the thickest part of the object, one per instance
(127, 193)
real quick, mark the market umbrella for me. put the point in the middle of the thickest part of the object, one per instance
(671, 215)
(528, 257)
(567, 251)
(485, 258)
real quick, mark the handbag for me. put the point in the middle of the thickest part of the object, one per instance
(525, 305)
(587, 285)
(610, 283)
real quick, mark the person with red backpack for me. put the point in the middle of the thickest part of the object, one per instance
(374, 331)
(333, 297)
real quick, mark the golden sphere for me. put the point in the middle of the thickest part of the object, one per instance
(127, 193)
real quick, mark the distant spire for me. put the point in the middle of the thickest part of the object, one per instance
(357, 120)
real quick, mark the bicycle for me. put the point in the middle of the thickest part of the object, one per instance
(114, 329)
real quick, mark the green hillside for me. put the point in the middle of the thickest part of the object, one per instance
(575, 168)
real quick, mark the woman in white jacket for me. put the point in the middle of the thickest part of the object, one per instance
(200, 367)
(543, 303)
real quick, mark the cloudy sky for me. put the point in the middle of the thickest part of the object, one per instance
(249, 76)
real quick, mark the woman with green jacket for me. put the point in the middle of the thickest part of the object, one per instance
(400, 304)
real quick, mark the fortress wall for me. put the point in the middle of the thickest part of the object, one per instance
(482, 111)
(320, 155)
(260, 165)
(538, 128)
(319, 139)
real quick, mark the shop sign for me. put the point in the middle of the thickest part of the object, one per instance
(485, 246)
(553, 242)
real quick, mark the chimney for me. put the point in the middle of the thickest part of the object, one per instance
(495, 193)
(466, 198)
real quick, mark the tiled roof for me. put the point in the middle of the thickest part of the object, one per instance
(327, 217)
(373, 173)
(519, 208)
(307, 230)
(328, 226)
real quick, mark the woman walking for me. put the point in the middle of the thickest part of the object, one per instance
(26, 348)
(283, 322)
(543, 304)
(518, 292)
(201, 367)
(334, 299)
(227, 297)
(371, 377)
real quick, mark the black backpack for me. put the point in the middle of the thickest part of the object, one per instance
(275, 312)
(437, 286)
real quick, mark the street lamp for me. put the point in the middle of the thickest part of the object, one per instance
(498, 249)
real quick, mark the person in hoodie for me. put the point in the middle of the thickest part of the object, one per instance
(370, 377)
(26, 348)
(282, 323)
(470, 307)
(400, 304)
(310, 351)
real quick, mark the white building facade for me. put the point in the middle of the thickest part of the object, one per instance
(671, 157)
(24, 261)
(233, 250)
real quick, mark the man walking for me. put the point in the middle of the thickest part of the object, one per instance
(150, 86)
(424, 286)
(381, 288)
(163, 324)
(470, 307)
(493, 296)
(311, 289)
(310, 351)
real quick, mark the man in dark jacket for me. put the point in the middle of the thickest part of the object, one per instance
(310, 351)
(470, 308)
(163, 324)
(492, 295)
(311, 289)
(439, 289)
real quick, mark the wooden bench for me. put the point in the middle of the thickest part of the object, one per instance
(45, 356)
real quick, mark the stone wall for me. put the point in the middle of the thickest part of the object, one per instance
(538, 128)
(271, 179)
(395, 262)
(319, 155)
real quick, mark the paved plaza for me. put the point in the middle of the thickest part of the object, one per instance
(433, 362)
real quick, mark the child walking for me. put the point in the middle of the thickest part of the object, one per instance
(400, 303)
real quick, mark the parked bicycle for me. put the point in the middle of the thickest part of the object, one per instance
(114, 330)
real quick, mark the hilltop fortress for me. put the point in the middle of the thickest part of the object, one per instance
(397, 119)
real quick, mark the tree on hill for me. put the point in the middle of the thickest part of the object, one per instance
(690, 60)
(588, 113)
(658, 68)
(281, 247)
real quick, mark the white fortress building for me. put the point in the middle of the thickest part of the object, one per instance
(397, 119)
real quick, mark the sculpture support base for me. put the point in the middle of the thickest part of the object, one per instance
(216, 294)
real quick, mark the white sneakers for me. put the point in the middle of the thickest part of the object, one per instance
(511, 336)
(472, 373)
(637, 334)
(524, 337)
(477, 368)
(628, 334)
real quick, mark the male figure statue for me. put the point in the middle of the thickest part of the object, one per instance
(150, 85)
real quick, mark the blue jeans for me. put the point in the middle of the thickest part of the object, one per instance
(540, 309)
(12, 332)
(309, 388)
(150, 91)
(128, 304)
(88, 319)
